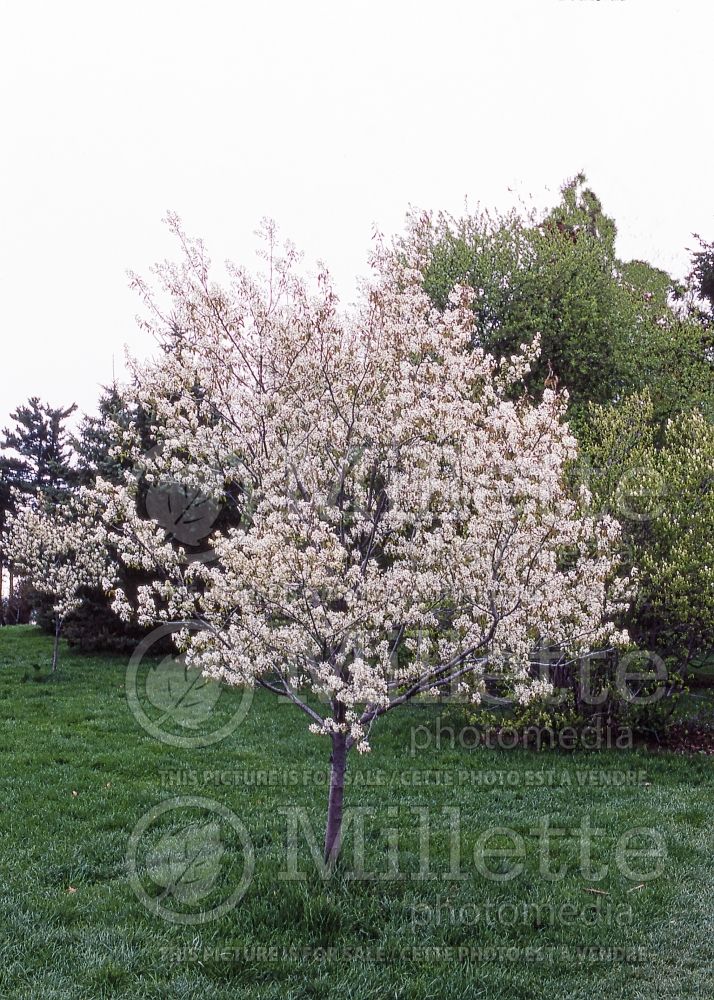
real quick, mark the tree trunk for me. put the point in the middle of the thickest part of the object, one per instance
(55, 648)
(333, 831)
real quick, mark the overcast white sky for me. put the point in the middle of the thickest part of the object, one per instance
(329, 117)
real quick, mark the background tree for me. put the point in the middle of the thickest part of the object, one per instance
(35, 459)
(92, 624)
(58, 553)
(9, 469)
(607, 328)
(702, 273)
(663, 494)
(40, 443)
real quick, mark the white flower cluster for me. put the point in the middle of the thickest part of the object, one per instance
(404, 523)
(59, 551)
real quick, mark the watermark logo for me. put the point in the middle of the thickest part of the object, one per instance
(190, 860)
(497, 854)
(186, 512)
(182, 511)
(175, 702)
(527, 913)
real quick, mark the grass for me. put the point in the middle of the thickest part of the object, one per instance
(77, 773)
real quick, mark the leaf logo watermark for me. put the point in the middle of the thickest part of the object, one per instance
(641, 495)
(176, 703)
(181, 694)
(183, 512)
(186, 864)
(190, 860)
(186, 513)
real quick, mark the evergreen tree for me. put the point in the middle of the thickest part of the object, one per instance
(94, 626)
(41, 464)
(8, 473)
(702, 275)
(94, 444)
(35, 458)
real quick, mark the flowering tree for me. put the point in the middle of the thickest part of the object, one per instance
(404, 523)
(60, 555)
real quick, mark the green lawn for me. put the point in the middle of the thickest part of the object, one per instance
(78, 772)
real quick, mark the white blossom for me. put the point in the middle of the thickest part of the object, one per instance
(405, 522)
